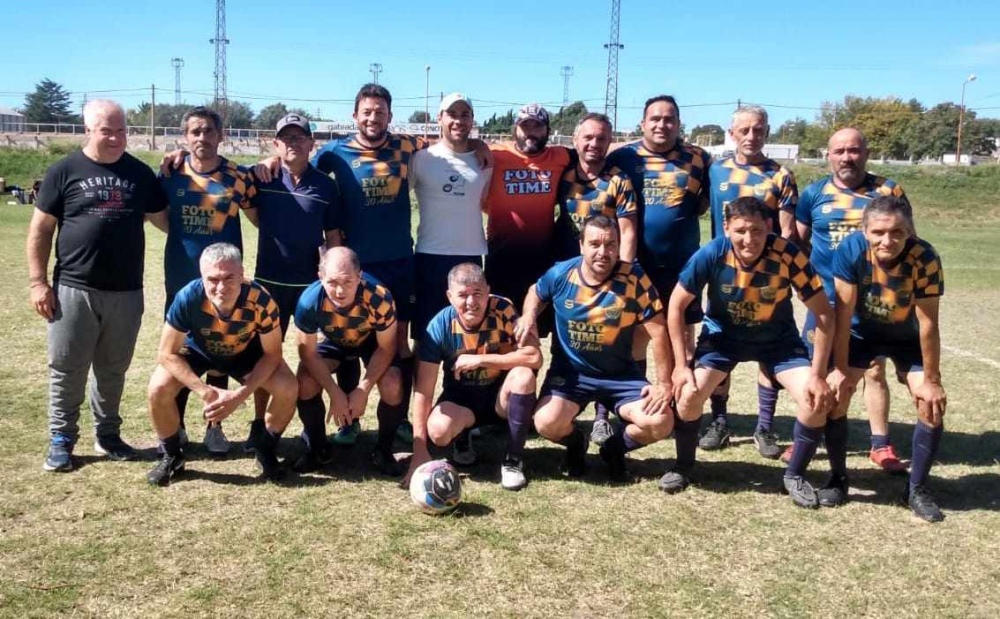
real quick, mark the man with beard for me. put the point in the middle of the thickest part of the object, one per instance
(828, 211)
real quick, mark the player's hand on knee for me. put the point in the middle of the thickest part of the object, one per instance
(842, 388)
(932, 396)
(819, 395)
(655, 399)
(682, 377)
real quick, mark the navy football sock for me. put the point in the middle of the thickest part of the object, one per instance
(720, 408)
(806, 441)
(836, 445)
(686, 439)
(172, 444)
(630, 443)
(925, 447)
(573, 439)
(520, 407)
(389, 418)
(600, 412)
(312, 414)
(767, 402)
(880, 440)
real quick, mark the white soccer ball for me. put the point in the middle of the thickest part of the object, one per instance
(435, 487)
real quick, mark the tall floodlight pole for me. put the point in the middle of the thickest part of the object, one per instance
(427, 98)
(375, 68)
(961, 118)
(178, 63)
(566, 73)
(220, 41)
(611, 97)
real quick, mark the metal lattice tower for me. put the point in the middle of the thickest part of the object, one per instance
(566, 73)
(611, 98)
(177, 63)
(375, 68)
(221, 97)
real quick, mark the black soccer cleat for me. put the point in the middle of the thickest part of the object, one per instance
(801, 491)
(922, 504)
(834, 493)
(165, 470)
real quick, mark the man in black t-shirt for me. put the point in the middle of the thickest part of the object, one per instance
(98, 198)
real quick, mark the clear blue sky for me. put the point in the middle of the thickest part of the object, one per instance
(708, 54)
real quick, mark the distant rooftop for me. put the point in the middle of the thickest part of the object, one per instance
(9, 111)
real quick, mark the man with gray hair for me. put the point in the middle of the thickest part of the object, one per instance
(98, 198)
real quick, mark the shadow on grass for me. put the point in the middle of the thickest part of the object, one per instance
(471, 510)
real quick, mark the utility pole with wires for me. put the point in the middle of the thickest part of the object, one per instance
(375, 68)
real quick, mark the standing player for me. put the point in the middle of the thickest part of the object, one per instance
(749, 172)
(750, 274)
(599, 303)
(220, 322)
(357, 318)
(98, 198)
(828, 211)
(888, 284)
(206, 195)
(489, 377)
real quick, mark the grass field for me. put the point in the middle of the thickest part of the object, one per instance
(100, 542)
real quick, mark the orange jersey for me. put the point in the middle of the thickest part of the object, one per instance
(521, 201)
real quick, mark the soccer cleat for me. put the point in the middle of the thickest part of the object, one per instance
(462, 452)
(256, 429)
(834, 493)
(60, 456)
(312, 460)
(114, 448)
(404, 432)
(216, 441)
(786, 456)
(601, 431)
(267, 463)
(386, 463)
(767, 444)
(512, 474)
(922, 504)
(801, 491)
(348, 435)
(675, 480)
(615, 460)
(887, 460)
(165, 470)
(576, 458)
(716, 437)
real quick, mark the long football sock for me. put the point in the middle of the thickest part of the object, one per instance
(520, 407)
(720, 408)
(806, 441)
(313, 423)
(686, 438)
(925, 447)
(767, 402)
(389, 418)
(836, 445)
(600, 412)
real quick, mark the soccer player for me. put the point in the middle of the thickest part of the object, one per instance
(600, 301)
(489, 377)
(749, 172)
(98, 198)
(889, 283)
(450, 188)
(206, 195)
(828, 211)
(357, 317)
(750, 274)
(220, 322)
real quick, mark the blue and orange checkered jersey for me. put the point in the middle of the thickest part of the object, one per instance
(204, 209)
(595, 323)
(833, 213)
(769, 181)
(255, 314)
(610, 194)
(669, 187)
(292, 222)
(375, 185)
(751, 305)
(887, 293)
(373, 310)
(446, 339)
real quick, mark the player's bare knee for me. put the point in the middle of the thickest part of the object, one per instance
(439, 430)
(661, 426)
(390, 386)
(521, 380)
(876, 374)
(811, 417)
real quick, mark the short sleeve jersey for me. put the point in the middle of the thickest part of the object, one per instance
(610, 194)
(372, 311)
(887, 294)
(769, 181)
(670, 187)
(100, 209)
(595, 324)
(521, 200)
(450, 187)
(751, 305)
(446, 339)
(293, 219)
(832, 213)
(204, 209)
(219, 337)
(376, 190)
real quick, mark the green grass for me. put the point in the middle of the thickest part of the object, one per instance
(99, 541)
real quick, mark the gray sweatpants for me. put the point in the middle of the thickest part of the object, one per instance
(94, 331)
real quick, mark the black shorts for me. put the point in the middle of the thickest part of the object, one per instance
(397, 276)
(431, 278)
(906, 356)
(287, 298)
(237, 366)
(482, 401)
(335, 352)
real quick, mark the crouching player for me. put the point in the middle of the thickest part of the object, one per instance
(750, 274)
(489, 376)
(888, 285)
(220, 322)
(357, 317)
(599, 301)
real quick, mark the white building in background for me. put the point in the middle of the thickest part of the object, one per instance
(787, 152)
(11, 121)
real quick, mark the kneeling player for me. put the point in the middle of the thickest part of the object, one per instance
(357, 318)
(598, 302)
(888, 285)
(220, 322)
(750, 274)
(489, 377)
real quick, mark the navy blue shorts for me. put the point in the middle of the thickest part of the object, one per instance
(720, 354)
(906, 356)
(397, 276)
(511, 274)
(287, 298)
(431, 285)
(237, 366)
(482, 401)
(664, 280)
(582, 389)
(335, 352)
